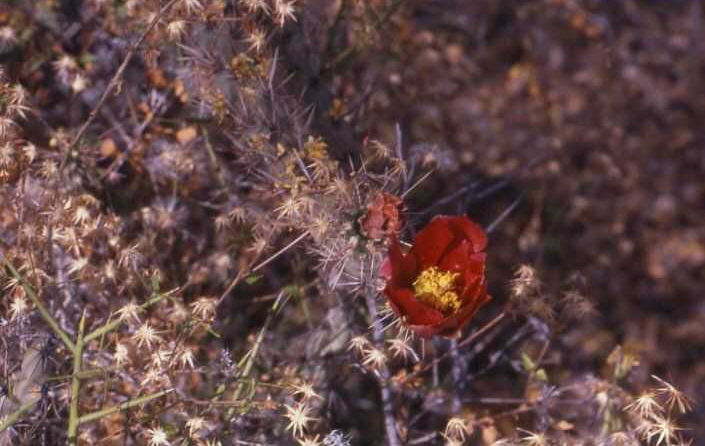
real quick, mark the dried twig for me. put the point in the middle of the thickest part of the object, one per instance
(113, 83)
(383, 379)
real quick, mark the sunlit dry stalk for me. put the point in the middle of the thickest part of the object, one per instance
(383, 378)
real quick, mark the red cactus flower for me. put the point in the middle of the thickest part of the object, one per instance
(440, 283)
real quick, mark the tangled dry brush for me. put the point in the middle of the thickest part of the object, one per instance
(191, 234)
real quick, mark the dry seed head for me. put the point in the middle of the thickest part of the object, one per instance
(257, 38)
(129, 312)
(450, 441)
(176, 29)
(283, 11)
(157, 437)
(290, 208)
(374, 358)
(7, 36)
(146, 335)
(534, 439)
(309, 441)
(130, 257)
(663, 431)
(381, 150)
(121, 354)
(645, 405)
(525, 282)
(674, 397)
(160, 358)
(577, 305)
(79, 83)
(195, 424)
(457, 429)
(6, 125)
(18, 307)
(156, 376)
(222, 222)
(191, 6)
(306, 391)
(238, 214)
(259, 244)
(7, 155)
(109, 271)
(81, 216)
(320, 226)
(186, 358)
(48, 169)
(299, 418)
(77, 265)
(401, 349)
(204, 307)
(359, 344)
(64, 66)
(256, 5)
(541, 308)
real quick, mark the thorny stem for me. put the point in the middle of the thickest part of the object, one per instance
(72, 430)
(113, 83)
(122, 406)
(383, 378)
(416, 184)
(214, 161)
(461, 344)
(246, 271)
(457, 373)
(280, 252)
(40, 307)
(499, 354)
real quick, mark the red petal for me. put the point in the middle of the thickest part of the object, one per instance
(474, 270)
(431, 242)
(476, 263)
(398, 269)
(457, 258)
(470, 288)
(416, 313)
(469, 230)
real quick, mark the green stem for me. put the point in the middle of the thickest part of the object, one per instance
(40, 307)
(85, 374)
(122, 406)
(247, 361)
(14, 416)
(112, 325)
(76, 382)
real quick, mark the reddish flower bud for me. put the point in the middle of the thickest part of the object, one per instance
(382, 217)
(440, 283)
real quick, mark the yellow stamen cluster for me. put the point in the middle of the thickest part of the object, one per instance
(436, 289)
